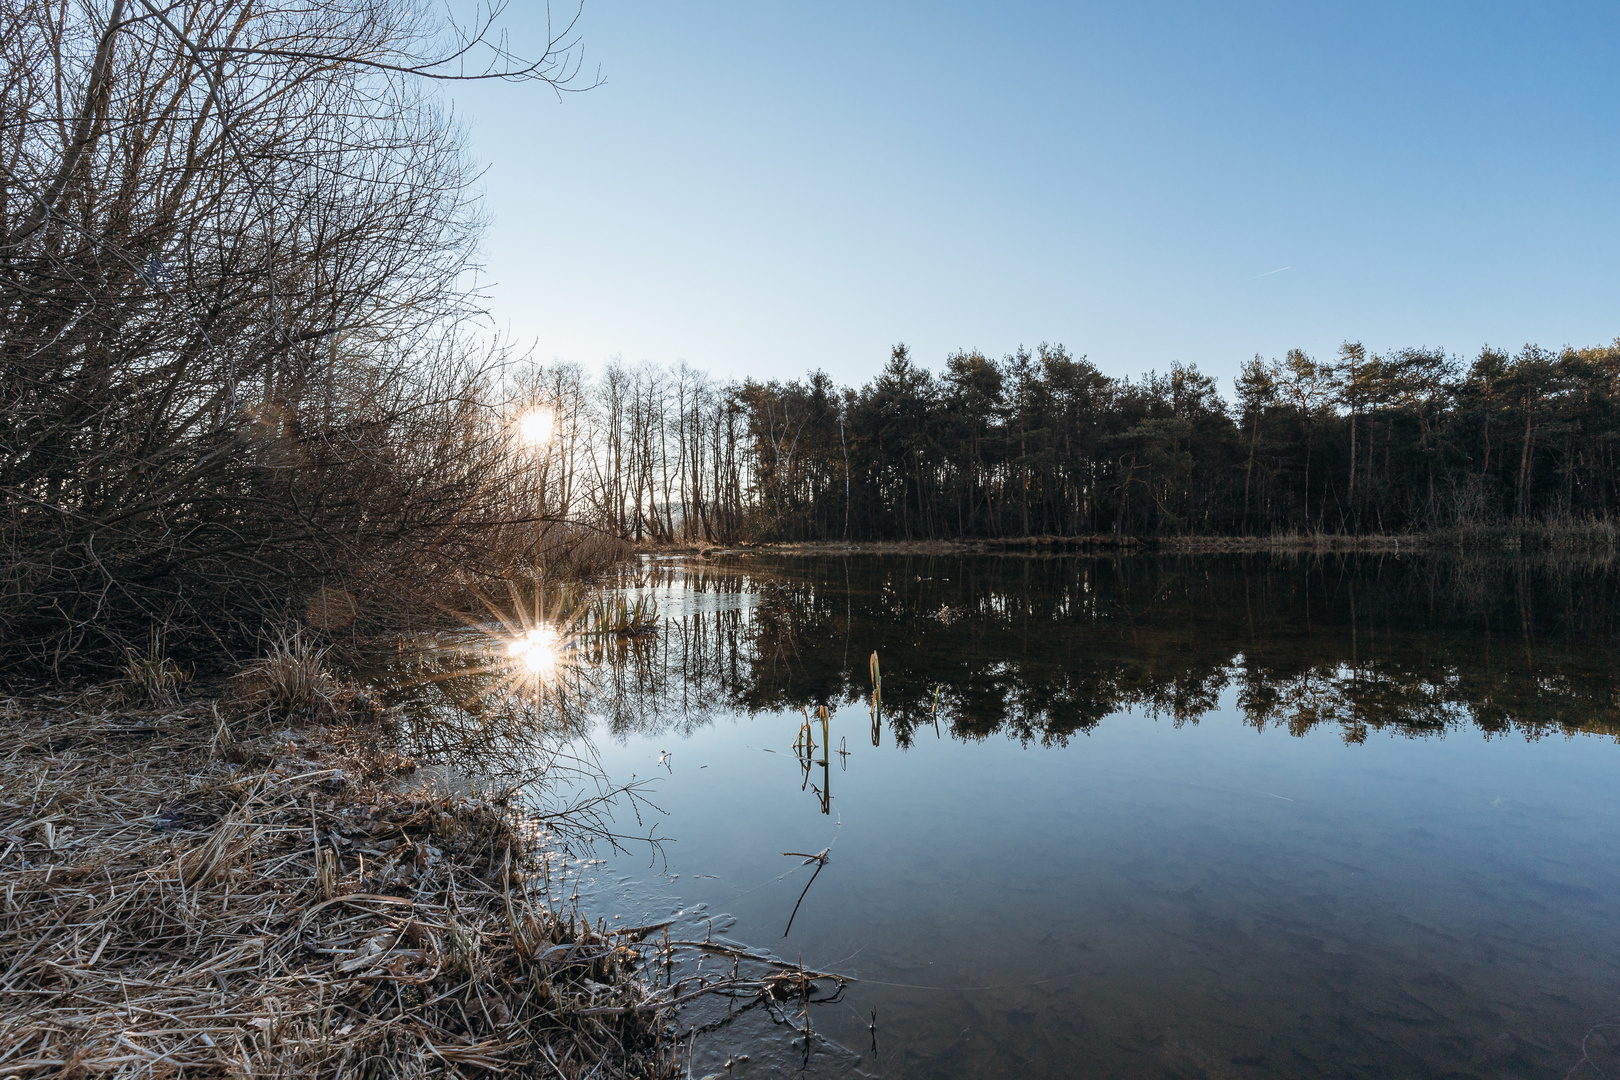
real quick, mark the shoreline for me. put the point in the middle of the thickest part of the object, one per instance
(1504, 541)
(221, 894)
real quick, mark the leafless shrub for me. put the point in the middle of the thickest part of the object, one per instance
(234, 245)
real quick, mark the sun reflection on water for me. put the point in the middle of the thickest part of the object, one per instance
(538, 650)
(533, 661)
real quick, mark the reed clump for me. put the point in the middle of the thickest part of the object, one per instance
(150, 677)
(291, 680)
(185, 890)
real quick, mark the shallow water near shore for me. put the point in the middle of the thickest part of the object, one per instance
(1212, 816)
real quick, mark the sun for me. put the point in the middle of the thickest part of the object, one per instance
(535, 426)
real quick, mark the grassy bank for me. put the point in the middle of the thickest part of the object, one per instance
(187, 890)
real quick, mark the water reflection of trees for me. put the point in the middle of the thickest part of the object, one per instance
(1039, 649)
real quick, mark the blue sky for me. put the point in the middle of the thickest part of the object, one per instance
(762, 189)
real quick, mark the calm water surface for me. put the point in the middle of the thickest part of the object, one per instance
(1211, 817)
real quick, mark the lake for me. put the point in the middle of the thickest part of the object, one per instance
(1215, 816)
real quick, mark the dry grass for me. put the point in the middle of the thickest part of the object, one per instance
(176, 899)
(151, 678)
(291, 680)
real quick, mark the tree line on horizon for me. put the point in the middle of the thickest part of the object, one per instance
(1044, 443)
(237, 267)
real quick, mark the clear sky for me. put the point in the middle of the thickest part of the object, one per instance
(766, 188)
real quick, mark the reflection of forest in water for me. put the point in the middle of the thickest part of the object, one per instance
(1040, 648)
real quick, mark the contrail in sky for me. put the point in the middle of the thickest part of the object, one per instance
(1268, 273)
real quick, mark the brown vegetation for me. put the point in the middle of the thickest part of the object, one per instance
(181, 900)
(189, 891)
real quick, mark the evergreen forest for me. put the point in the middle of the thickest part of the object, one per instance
(1043, 443)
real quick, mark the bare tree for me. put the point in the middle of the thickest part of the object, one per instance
(234, 245)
